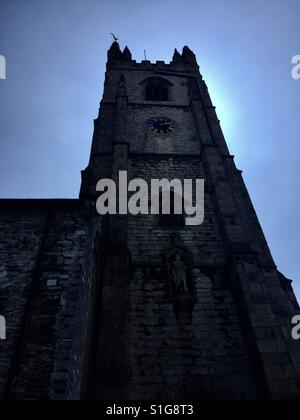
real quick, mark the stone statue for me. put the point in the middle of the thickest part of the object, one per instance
(179, 276)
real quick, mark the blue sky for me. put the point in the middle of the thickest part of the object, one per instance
(56, 52)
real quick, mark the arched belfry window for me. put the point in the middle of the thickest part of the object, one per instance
(157, 89)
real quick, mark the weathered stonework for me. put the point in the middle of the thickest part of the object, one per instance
(48, 251)
(88, 303)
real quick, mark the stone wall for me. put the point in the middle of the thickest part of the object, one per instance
(202, 359)
(46, 252)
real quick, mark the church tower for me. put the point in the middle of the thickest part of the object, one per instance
(181, 312)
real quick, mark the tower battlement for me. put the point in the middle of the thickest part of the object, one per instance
(186, 61)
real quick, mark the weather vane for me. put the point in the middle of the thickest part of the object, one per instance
(114, 36)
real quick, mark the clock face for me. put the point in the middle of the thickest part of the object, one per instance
(161, 125)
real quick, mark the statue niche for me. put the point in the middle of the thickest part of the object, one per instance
(180, 279)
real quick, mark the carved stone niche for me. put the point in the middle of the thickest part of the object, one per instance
(180, 283)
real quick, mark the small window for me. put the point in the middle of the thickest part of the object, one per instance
(171, 220)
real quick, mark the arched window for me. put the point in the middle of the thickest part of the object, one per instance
(157, 89)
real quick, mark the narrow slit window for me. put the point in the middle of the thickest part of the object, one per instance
(171, 220)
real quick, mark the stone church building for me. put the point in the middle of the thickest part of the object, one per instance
(145, 307)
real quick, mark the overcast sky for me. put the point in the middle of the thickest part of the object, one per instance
(56, 53)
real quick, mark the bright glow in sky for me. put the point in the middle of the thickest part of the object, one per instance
(56, 53)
